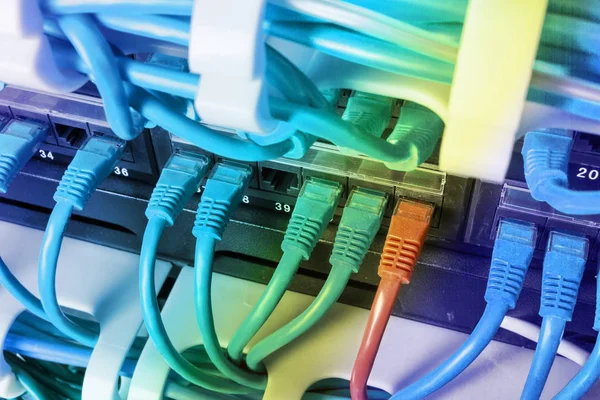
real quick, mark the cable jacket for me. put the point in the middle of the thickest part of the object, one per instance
(47, 268)
(383, 304)
(331, 291)
(467, 353)
(583, 381)
(204, 315)
(550, 336)
(166, 7)
(153, 320)
(20, 292)
(264, 307)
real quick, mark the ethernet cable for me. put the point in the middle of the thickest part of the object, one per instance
(178, 182)
(371, 114)
(95, 51)
(358, 226)
(33, 387)
(19, 141)
(563, 269)
(511, 256)
(419, 128)
(90, 166)
(405, 238)
(312, 213)
(546, 160)
(589, 374)
(122, 7)
(222, 194)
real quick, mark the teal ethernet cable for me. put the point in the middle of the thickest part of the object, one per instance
(564, 264)
(421, 129)
(90, 166)
(546, 160)
(33, 387)
(589, 374)
(178, 182)
(361, 49)
(221, 196)
(368, 112)
(511, 256)
(358, 226)
(312, 213)
(96, 53)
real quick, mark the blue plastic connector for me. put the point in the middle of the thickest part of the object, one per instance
(358, 226)
(19, 141)
(512, 254)
(546, 158)
(314, 209)
(92, 164)
(224, 191)
(179, 180)
(564, 265)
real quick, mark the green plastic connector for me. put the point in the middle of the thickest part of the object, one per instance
(332, 96)
(369, 113)
(360, 223)
(179, 180)
(92, 164)
(19, 141)
(418, 128)
(223, 193)
(314, 209)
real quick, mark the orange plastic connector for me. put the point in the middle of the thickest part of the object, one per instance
(404, 240)
(403, 245)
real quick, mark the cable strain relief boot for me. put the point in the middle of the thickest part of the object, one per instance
(512, 254)
(546, 158)
(405, 239)
(420, 129)
(19, 141)
(179, 180)
(224, 191)
(358, 226)
(563, 269)
(92, 164)
(314, 209)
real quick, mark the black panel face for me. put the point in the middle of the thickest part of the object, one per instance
(448, 284)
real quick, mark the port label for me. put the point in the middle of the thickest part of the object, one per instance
(121, 171)
(585, 173)
(46, 155)
(283, 207)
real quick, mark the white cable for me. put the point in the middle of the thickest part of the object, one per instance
(532, 332)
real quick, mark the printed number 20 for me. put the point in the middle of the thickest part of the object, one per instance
(591, 174)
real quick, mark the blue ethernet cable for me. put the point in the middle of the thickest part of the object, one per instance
(90, 166)
(220, 198)
(511, 256)
(94, 50)
(546, 159)
(589, 374)
(122, 7)
(19, 141)
(564, 264)
(159, 27)
(178, 182)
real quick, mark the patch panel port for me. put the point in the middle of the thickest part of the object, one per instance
(280, 178)
(70, 136)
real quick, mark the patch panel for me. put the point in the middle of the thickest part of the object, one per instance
(73, 119)
(280, 180)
